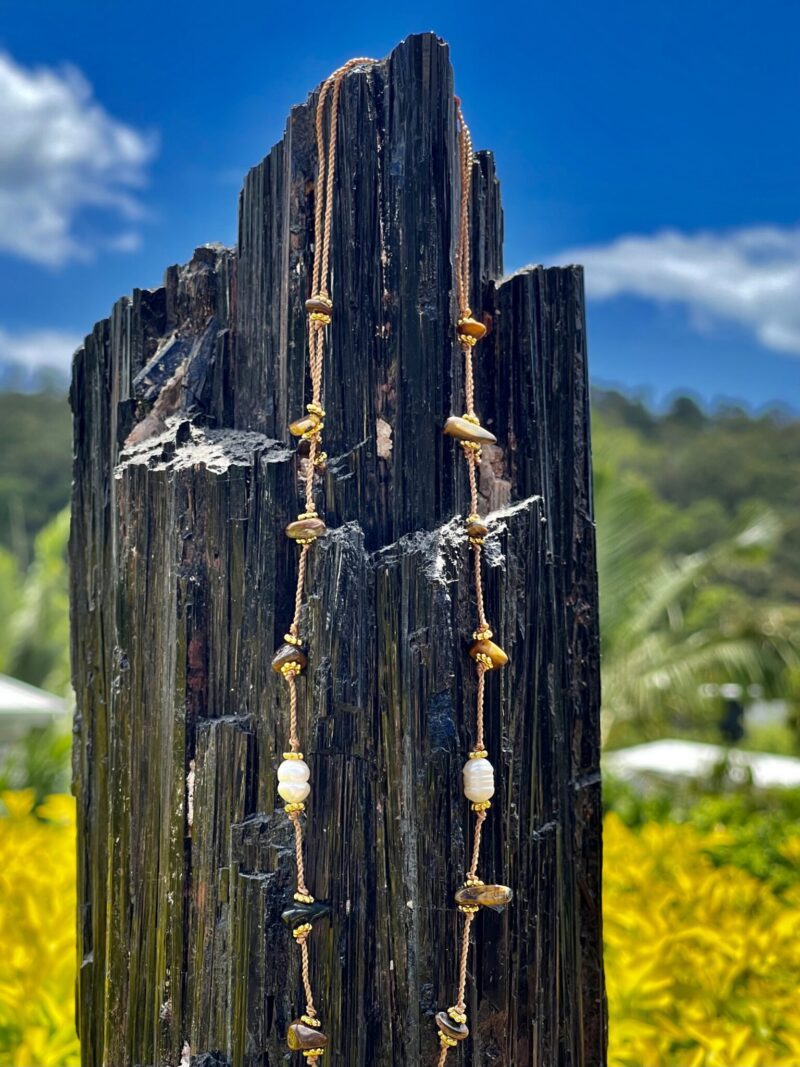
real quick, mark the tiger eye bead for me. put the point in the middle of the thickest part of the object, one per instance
(306, 529)
(289, 654)
(477, 529)
(301, 1037)
(488, 653)
(464, 430)
(449, 1027)
(304, 425)
(488, 896)
(470, 331)
(319, 307)
(298, 914)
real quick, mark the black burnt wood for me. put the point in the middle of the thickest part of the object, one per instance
(182, 583)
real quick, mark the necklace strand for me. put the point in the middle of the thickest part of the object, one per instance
(478, 772)
(305, 1034)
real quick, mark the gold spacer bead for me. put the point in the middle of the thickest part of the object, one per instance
(293, 755)
(292, 806)
(310, 1020)
(313, 1053)
(481, 805)
(471, 418)
(474, 881)
(290, 639)
(485, 660)
(320, 459)
(315, 409)
(319, 316)
(472, 518)
(304, 898)
(445, 1040)
(478, 753)
(482, 635)
(476, 540)
(291, 670)
(456, 1015)
(468, 909)
(300, 931)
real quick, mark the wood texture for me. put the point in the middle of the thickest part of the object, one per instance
(181, 589)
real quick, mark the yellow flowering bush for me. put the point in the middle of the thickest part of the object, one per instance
(37, 931)
(702, 960)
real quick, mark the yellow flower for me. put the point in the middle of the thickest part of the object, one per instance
(37, 932)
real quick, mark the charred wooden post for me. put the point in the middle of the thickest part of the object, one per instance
(181, 583)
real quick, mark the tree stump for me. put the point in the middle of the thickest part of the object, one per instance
(182, 581)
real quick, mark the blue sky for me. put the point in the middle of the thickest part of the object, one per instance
(656, 142)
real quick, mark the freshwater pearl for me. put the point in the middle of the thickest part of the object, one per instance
(293, 775)
(478, 780)
(294, 770)
(294, 792)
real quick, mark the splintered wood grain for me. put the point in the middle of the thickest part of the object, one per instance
(182, 586)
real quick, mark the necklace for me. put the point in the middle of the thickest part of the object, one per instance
(305, 1034)
(478, 772)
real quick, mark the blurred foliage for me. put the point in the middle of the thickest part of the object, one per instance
(34, 641)
(37, 932)
(34, 647)
(687, 602)
(701, 959)
(757, 830)
(35, 466)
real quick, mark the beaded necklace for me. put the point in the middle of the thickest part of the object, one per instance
(305, 1034)
(478, 772)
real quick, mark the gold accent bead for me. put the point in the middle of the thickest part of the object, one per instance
(468, 417)
(481, 805)
(468, 909)
(445, 1040)
(482, 635)
(291, 670)
(296, 805)
(304, 898)
(320, 459)
(478, 753)
(474, 881)
(293, 755)
(290, 639)
(315, 409)
(472, 518)
(310, 1020)
(456, 1015)
(300, 932)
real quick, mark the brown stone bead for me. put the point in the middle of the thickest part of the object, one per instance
(488, 648)
(306, 529)
(489, 896)
(304, 425)
(300, 1037)
(464, 430)
(477, 529)
(318, 305)
(289, 654)
(471, 328)
(448, 1026)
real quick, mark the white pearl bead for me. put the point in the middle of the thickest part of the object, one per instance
(294, 770)
(294, 792)
(478, 780)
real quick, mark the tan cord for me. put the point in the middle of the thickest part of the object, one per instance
(323, 227)
(472, 457)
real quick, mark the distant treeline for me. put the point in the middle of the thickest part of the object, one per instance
(709, 469)
(706, 467)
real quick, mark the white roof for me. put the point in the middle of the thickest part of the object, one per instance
(694, 759)
(18, 698)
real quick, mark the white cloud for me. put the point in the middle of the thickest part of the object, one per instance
(38, 348)
(748, 276)
(61, 152)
